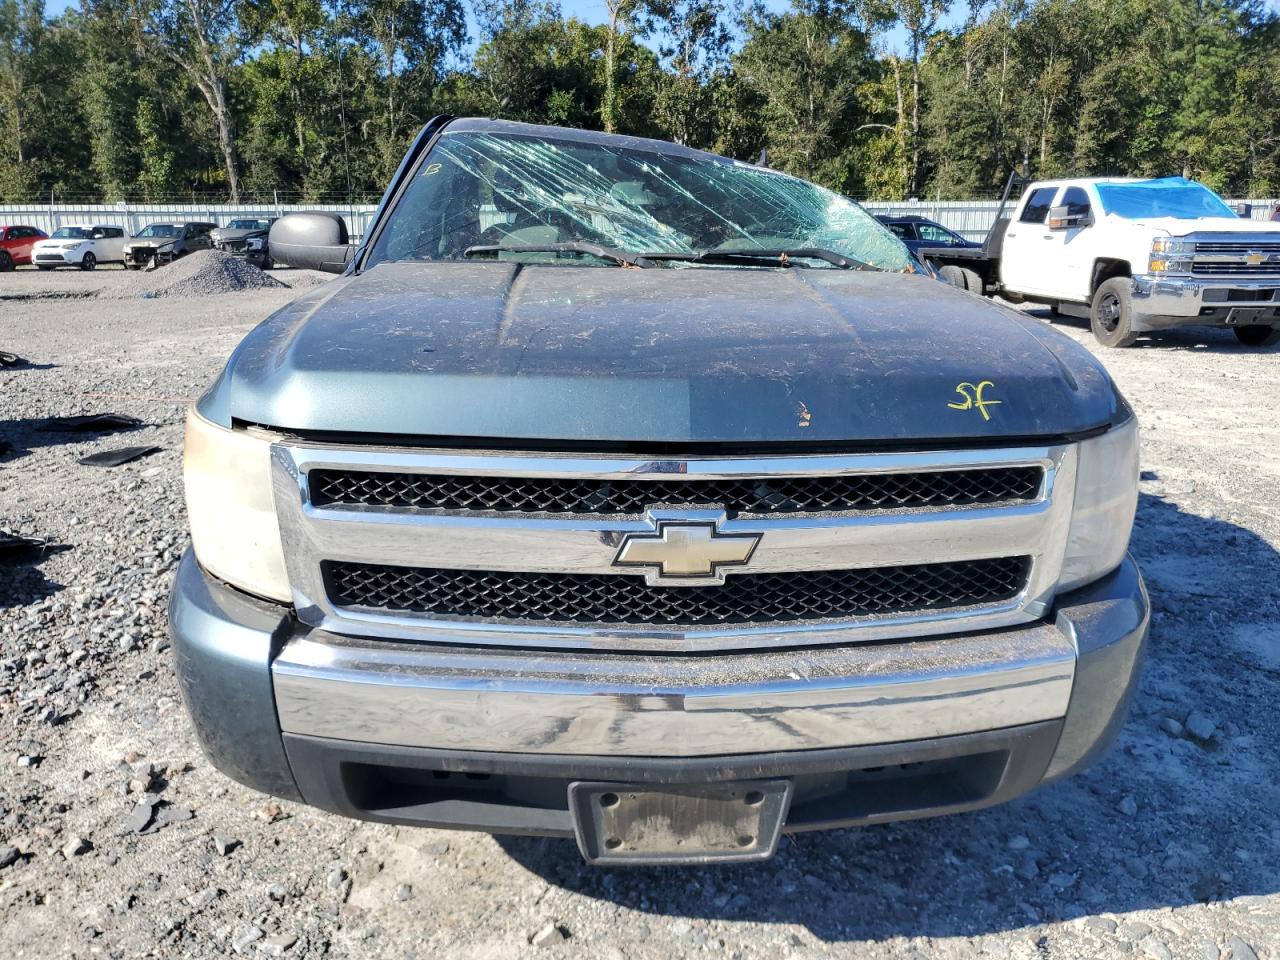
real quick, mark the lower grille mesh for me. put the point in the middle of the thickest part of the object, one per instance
(617, 599)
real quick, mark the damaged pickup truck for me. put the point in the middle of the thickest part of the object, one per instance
(623, 492)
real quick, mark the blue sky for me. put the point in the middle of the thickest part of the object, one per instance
(590, 11)
(593, 11)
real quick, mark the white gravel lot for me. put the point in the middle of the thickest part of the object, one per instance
(1169, 848)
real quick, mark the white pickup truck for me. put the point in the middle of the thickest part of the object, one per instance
(1130, 256)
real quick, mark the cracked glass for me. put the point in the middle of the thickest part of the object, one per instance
(477, 189)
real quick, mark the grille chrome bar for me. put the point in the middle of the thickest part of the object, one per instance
(587, 544)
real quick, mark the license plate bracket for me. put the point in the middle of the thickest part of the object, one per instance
(666, 824)
(1244, 316)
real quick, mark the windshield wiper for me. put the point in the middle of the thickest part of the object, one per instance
(622, 258)
(781, 258)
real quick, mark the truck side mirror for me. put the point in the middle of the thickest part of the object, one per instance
(1061, 218)
(311, 241)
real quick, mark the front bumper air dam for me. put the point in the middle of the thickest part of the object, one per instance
(1160, 302)
(977, 719)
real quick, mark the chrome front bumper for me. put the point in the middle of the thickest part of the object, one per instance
(253, 678)
(1173, 301)
(654, 706)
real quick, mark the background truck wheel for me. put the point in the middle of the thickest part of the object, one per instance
(6, 261)
(88, 261)
(953, 275)
(1258, 335)
(972, 281)
(1112, 314)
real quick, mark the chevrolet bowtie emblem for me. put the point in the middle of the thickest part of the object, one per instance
(683, 550)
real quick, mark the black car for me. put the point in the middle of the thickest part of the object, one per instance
(246, 237)
(920, 233)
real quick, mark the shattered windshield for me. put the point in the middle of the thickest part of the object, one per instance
(160, 230)
(248, 225)
(476, 190)
(1167, 197)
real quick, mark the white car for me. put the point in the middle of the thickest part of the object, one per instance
(80, 245)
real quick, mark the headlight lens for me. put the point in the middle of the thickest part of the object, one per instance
(254, 243)
(231, 508)
(1170, 255)
(1105, 502)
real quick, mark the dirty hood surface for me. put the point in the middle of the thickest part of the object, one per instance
(547, 352)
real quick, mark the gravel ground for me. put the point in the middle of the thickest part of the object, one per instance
(118, 839)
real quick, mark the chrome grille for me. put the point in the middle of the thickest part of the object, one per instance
(1237, 248)
(1233, 268)
(1228, 258)
(906, 490)
(608, 599)
(521, 549)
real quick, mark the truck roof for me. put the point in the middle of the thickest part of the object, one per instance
(1083, 181)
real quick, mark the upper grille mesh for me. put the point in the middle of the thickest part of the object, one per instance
(938, 488)
(623, 599)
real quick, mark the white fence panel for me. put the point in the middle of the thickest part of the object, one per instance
(969, 218)
(134, 216)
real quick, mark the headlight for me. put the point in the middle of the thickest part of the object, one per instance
(1106, 498)
(231, 509)
(253, 244)
(1170, 255)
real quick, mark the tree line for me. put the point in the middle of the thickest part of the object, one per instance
(317, 99)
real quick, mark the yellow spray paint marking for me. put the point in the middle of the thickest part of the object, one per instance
(973, 398)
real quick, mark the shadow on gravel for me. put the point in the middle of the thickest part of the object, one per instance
(1199, 339)
(23, 436)
(1162, 821)
(25, 583)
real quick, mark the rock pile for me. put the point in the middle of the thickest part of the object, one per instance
(201, 274)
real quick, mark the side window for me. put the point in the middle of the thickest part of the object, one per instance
(190, 232)
(115, 232)
(1076, 202)
(1038, 205)
(900, 230)
(97, 233)
(935, 234)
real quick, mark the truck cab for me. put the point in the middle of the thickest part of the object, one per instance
(1138, 255)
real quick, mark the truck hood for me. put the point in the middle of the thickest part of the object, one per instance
(609, 355)
(1176, 227)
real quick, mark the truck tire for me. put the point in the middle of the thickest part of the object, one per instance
(950, 273)
(1111, 316)
(1258, 335)
(972, 281)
